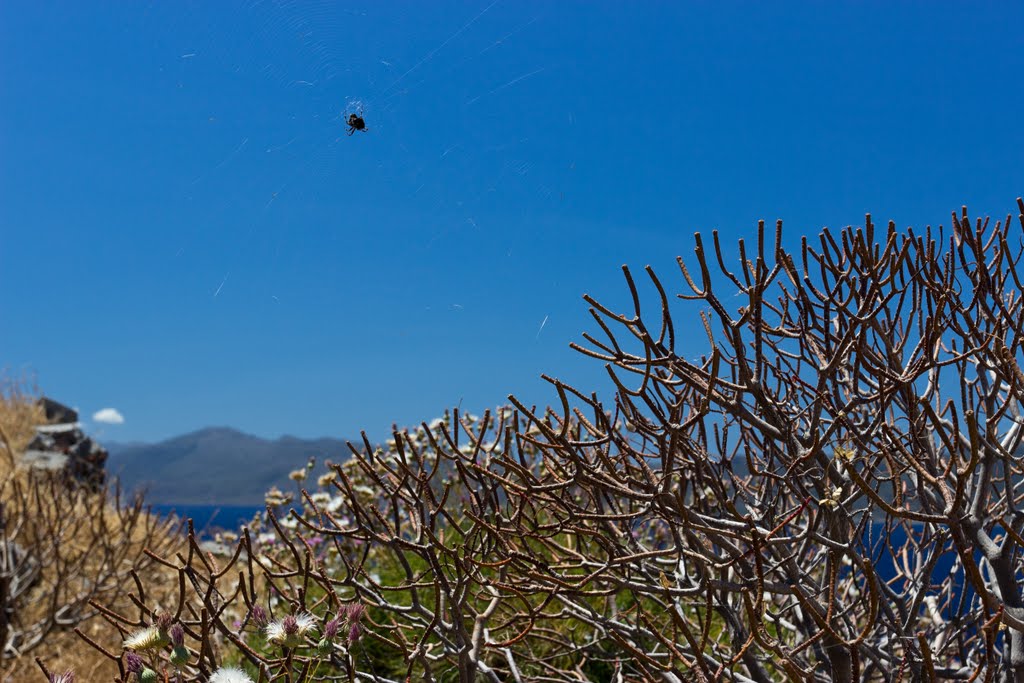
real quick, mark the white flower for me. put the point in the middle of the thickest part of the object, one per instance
(275, 497)
(832, 499)
(325, 479)
(297, 475)
(146, 639)
(230, 675)
(321, 497)
(292, 630)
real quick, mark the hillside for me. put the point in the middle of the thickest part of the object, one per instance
(217, 465)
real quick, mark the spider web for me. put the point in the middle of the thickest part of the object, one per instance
(307, 68)
(289, 167)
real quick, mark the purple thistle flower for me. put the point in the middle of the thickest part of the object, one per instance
(354, 631)
(290, 631)
(66, 677)
(356, 611)
(331, 628)
(259, 616)
(133, 663)
(163, 622)
(177, 635)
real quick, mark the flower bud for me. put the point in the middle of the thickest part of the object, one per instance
(163, 622)
(259, 616)
(356, 610)
(179, 656)
(133, 663)
(331, 629)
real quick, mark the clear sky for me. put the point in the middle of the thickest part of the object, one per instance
(188, 236)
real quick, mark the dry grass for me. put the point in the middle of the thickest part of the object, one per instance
(86, 547)
(19, 414)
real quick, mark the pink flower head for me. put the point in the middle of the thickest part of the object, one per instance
(177, 635)
(133, 663)
(356, 610)
(164, 621)
(331, 628)
(259, 616)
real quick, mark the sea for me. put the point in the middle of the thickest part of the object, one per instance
(210, 519)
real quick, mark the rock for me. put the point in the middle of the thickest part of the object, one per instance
(42, 442)
(51, 461)
(57, 412)
(61, 446)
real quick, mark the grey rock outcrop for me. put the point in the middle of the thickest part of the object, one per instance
(60, 445)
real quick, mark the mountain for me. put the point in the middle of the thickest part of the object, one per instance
(217, 465)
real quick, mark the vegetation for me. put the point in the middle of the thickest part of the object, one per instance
(62, 547)
(775, 508)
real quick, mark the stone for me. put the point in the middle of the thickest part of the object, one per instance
(61, 446)
(57, 412)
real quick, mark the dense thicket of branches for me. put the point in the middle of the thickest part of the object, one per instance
(833, 491)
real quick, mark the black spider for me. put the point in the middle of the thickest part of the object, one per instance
(355, 122)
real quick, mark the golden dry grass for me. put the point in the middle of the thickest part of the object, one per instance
(19, 414)
(80, 537)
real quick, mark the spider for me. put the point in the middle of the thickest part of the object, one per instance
(355, 122)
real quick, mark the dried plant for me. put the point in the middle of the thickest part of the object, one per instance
(831, 491)
(61, 546)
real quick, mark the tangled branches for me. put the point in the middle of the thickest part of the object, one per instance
(831, 491)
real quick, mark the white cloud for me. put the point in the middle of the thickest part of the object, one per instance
(108, 416)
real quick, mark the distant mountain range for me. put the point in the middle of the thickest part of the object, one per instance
(217, 465)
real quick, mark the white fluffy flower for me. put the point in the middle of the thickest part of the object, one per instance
(230, 675)
(147, 639)
(291, 631)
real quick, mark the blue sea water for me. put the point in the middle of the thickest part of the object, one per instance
(208, 519)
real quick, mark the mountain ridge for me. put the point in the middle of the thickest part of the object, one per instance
(216, 465)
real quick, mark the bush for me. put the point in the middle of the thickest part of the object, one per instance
(62, 548)
(831, 491)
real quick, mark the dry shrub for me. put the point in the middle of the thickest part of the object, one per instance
(19, 415)
(831, 491)
(61, 548)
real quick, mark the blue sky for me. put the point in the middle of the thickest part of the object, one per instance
(188, 236)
